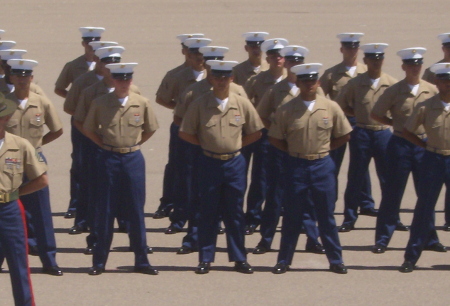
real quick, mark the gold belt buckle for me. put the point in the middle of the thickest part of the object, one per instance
(310, 157)
(2, 196)
(124, 150)
(224, 157)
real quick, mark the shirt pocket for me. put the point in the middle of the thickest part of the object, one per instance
(36, 129)
(15, 174)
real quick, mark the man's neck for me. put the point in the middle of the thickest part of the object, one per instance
(276, 72)
(350, 62)
(445, 97)
(255, 61)
(308, 96)
(292, 77)
(108, 82)
(22, 94)
(89, 57)
(121, 95)
(221, 94)
(412, 80)
(374, 74)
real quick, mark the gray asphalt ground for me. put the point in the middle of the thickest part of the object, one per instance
(48, 29)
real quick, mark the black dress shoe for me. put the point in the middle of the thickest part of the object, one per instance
(55, 271)
(345, 228)
(401, 227)
(280, 268)
(371, 212)
(172, 230)
(33, 250)
(436, 247)
(250, 229)
(96, 270)
(338, 268)
(221, 230)
(406, 267)
(160, 213)
(316, 249)
(146, 270)
(77, 229)
(243, 267)
(261, 249)
(446, 227)
(378, 249)
(88, 250)
(203, 268)
(185, 250)
(70, 214)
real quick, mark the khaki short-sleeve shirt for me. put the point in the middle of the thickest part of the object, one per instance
(359, 95)
(256, 86)
(435, 120)
(82, 82)
(244, 71)
(221, 131)
(164, 88)
(335, 78)
(29, 122)
(309, 132)
(18, 157)
(198, 89)
(400, 102)
(121, 126)
(71, 71)
(89, 94)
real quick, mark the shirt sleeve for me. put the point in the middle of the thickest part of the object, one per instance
(63, 80)
(191, 119)
(52, 120)
(34, 164)
(253, 122)
(341, 125)
(151, 123)
(91, 123)
(277, 129)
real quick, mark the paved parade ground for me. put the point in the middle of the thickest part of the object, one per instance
(48, 29)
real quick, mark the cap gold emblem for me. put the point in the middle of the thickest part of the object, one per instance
(198, 40)
(11, 53)
(413, 50)
(308, 66)
(222, 63)
(351, 35)
(275, 42)
(122, 66)
(20, 62)
(110, 49)
(91, 30)
(376, 46)
(295, 48)
(213, 49)
(255, 35)
(189, 36)
(447, 66)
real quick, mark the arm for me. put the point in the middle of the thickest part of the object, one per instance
(339, 141)
(279, 144)
(145, 136)
(189, 138)
(384, 119)
(411, 137)
(34, 185)
(170, 105)
(266, 123)
(94, 137)
(349, 111)
(61, 92)
(177, 120)
(50, 136)
(78, 125)
(250, 138)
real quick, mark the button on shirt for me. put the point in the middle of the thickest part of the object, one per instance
(118, 125)
(221, 131)
(309, 132)
(400, 102)
(28, 120)
(360, 95)
(18, 157)
(435, 118)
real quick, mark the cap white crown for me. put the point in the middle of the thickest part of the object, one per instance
(115, 51)
(12, 54)
(274, 43)
(221, 65)
(349, 37)
(100, 44)
(183, 37)
(24, 64)
(7, 44)
(312, 68)
(193, 43)
(411, 53)
(255, 36)
(294, 50)
(91, 31)
(440, 68)
(213, 50)
(374, 48)
(444, 37)
(121, 67)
